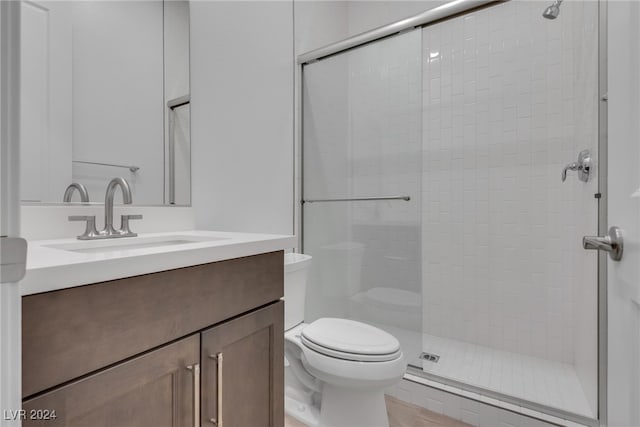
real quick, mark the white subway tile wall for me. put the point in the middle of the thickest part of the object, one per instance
(509, 99)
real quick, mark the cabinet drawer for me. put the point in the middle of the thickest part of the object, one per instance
(73, 332)
(156, 389)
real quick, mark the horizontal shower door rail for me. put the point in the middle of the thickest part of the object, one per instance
(358, 199)
(444, 11)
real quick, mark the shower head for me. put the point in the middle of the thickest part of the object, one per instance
(552, 11)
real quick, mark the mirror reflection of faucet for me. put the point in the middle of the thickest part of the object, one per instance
(82, 190)
(109, 232)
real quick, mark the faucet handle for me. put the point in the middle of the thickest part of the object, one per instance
(124, 225)
(570, 167)
(90, 231)
(583, 166)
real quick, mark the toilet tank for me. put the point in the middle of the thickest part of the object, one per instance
(296, 270)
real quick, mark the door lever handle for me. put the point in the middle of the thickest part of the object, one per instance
(612, 243)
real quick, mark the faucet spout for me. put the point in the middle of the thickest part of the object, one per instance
(68, 193)
(108, 202)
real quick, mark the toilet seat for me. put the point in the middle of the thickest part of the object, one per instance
(350, 340)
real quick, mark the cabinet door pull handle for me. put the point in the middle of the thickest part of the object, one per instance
(219, 359)
(195, 371)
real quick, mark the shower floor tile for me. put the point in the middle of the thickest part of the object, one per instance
(537, 380)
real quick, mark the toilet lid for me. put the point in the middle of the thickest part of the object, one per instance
(350, 340)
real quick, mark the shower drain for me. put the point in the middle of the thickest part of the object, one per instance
(430, 357)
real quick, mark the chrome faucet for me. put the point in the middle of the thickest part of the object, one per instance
(82, 190)
(109, 231)
(583, 166)
(108, 202)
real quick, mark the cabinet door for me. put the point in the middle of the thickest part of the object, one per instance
(159, 388)
(243, 370)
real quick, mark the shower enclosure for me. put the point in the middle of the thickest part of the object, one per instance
(433, 204)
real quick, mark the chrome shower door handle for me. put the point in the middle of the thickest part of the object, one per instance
(612, 243)
(583, 166)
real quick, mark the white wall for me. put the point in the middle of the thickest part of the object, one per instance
(118, 96)
(176, 49)
(46, 101)
(364, 15)
(242, 115)
(176, 84)
(623, 285)
(10, 307)
(319, 22)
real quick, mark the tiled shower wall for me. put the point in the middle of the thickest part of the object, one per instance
(509, 99)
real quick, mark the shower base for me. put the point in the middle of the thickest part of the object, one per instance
(502, 373)
(510, 380)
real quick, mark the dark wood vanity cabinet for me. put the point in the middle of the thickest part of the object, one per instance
(250, 347)
(160, 349)
(155, 389)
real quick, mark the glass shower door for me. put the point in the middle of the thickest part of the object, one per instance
(510, 296)
(361, 186)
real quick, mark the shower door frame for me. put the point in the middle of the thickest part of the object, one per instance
(603, 219)
(450, 10)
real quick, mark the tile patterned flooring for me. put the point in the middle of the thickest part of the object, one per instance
(403, 414)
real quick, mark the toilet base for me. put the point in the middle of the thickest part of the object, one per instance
(339, 408)
(342, 407)
(304, 412)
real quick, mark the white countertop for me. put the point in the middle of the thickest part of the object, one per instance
(50, 269)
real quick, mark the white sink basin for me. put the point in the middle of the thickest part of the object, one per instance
(128, 243)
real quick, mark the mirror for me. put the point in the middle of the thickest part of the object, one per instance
(105, 93)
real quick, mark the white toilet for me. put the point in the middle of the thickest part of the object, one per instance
(336, 369)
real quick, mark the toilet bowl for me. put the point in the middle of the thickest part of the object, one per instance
(337, 369)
